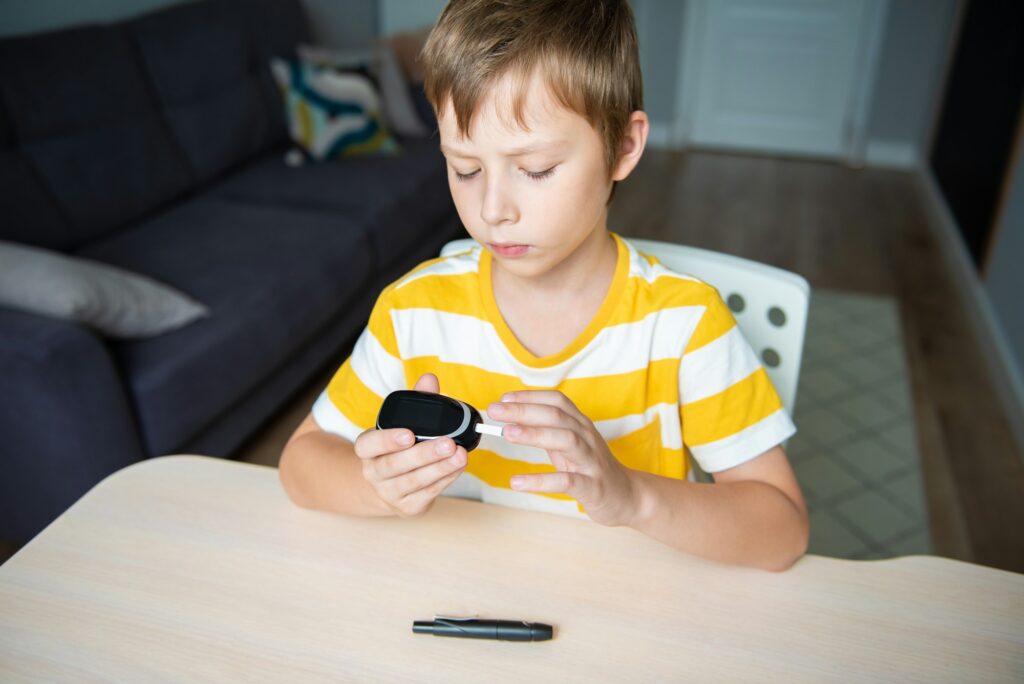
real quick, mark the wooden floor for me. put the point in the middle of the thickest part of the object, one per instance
(867, 231)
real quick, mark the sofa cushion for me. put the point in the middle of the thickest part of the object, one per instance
(272, 279)
(80, 112)
(29, 213)
(202, 66)
(276, 28)
(399, 198)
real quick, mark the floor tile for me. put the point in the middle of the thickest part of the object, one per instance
(824, 427)
(874, 515)
(867, 410)
(830, 537)
(917, 543)
(822, 479)
(900, 436)
(871, 460)
(908, 490)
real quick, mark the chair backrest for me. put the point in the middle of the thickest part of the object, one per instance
(769, 303)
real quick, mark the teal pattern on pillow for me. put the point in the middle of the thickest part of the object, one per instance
(332, 113)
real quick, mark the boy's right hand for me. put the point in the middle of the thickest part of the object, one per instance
(408, 477)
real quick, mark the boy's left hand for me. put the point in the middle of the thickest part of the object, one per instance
(587, 470)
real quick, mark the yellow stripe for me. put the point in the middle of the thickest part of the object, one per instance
(354, 399)
(728, 412)
(716, 321)
(497, 470)
(604, 397)
(458, 294)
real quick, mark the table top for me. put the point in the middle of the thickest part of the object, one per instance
(190, 568)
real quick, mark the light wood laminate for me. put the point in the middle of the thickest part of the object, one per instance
(187, 568)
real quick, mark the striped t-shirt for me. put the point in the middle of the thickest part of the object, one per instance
(662, 370)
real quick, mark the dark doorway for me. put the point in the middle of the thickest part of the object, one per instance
(979, 117)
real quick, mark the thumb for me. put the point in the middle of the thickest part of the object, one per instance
(428, 383)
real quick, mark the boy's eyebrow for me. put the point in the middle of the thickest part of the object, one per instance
(546, 145)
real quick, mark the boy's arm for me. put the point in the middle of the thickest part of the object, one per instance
(753, 515)
(321, 470)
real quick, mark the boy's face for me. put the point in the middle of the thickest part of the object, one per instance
(530, 195)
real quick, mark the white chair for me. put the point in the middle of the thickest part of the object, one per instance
(769, 303)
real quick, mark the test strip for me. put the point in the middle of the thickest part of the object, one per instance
(485, 429)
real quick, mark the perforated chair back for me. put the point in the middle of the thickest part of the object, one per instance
(769, 303)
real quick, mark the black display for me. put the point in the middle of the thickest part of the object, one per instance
(431, 415)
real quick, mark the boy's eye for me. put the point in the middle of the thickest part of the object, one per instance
(540, 175)
(465, 176)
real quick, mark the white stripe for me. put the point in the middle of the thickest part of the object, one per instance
(456, 264)
(641, 268)
(746, 444)
(716, 366)
(617, 349)
(468, 486)
(330, 419)
(381, 372)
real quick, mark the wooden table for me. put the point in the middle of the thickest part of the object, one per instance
(187, 568)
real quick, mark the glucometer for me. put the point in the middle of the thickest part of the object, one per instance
(430, 416)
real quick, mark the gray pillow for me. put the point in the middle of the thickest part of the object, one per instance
(115, 302)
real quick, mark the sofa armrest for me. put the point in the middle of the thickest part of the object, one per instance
(65, 420)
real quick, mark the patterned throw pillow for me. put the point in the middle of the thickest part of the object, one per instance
(332, 113)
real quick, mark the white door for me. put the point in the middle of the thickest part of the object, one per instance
(779, 76)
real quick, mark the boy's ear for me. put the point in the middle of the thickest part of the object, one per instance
(633, 143)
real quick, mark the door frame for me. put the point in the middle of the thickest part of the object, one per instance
(858, 106)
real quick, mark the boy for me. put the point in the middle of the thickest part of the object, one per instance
(601, 363)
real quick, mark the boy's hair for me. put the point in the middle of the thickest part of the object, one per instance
(586, 50)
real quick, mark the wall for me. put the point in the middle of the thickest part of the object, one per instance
(408, 15)
(909, 77)
(1004, 278)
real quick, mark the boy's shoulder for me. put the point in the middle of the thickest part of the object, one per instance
(668, 286)
(434, 276)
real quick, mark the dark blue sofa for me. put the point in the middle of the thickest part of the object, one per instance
(156, 145)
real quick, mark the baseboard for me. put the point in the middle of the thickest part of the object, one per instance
(891, 154)
(1005, 372)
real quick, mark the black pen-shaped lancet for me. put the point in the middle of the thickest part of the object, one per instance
(474, 628)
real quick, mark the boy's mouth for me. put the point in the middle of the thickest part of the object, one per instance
(508, 250)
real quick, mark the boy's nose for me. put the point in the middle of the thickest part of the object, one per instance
(497, 207)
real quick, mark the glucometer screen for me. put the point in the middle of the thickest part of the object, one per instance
(427, 416)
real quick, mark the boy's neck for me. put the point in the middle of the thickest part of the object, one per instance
(591, 266)
(547, 314)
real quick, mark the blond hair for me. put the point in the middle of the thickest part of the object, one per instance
(586, 50)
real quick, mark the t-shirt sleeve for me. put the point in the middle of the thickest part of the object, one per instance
(352, 399)
(729, 409)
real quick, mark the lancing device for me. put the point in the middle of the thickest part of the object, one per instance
(430, 416)
(474, 628)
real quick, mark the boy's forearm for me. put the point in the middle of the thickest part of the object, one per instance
(743, 523)
(321, 471)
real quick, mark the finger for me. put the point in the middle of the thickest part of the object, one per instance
(421, 501)
(530, 414)
(374, 443)
(399, 463)
(565, 440)
(422, 478)
(428, 383)
(548, 397)
(560, 482)
(440, 483)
